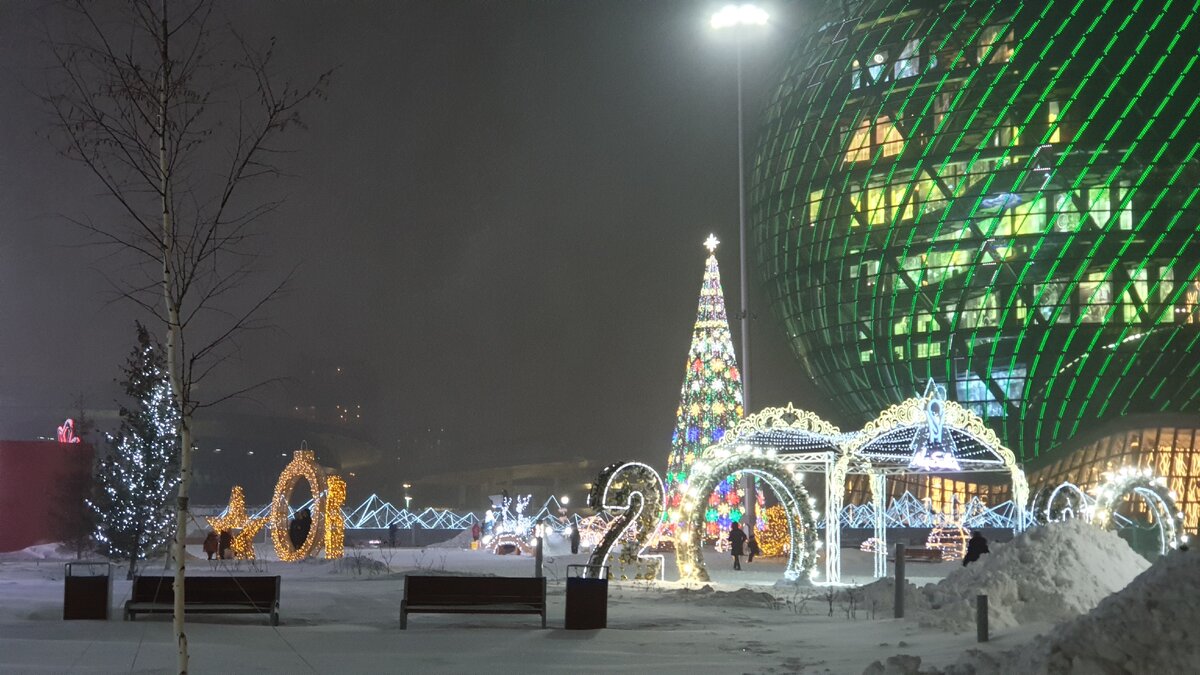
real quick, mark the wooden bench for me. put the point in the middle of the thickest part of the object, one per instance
(206, 595)
(923, 554)
(473, 595)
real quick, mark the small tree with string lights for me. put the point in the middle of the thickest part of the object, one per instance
(139, 475)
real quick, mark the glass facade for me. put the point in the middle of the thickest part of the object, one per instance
(998, 195)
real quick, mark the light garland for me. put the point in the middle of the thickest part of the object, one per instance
(335, 522)
(951, 539)
(304, 467)
(774, 540)
(633, 494)
(1153, 490)
(721, 461)
(236, 518)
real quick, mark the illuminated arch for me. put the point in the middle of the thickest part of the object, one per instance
(1075, 507)
(1152, 490)
(329, 494)
(722, 460)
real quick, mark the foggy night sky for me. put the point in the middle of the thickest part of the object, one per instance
(500, 211)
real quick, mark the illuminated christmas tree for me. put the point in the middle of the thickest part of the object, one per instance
(710, 403)
(139, 476)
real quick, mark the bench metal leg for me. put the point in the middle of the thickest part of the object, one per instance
(543, 618)
(403, 615)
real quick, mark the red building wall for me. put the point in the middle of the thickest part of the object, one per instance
(35, 484)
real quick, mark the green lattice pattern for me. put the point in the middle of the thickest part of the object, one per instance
(997, 195)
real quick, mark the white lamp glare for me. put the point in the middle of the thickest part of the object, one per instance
(739, 15)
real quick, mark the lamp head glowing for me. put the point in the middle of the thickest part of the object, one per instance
(731, 16)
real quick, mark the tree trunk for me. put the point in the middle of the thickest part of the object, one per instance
(174, 348)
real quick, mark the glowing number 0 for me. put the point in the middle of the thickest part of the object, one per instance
(328, 525)
(633, 494)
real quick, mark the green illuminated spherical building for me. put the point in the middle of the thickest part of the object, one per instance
(1001, 196)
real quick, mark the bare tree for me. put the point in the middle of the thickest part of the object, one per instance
(176, 115)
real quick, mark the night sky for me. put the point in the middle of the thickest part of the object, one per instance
(496, 220)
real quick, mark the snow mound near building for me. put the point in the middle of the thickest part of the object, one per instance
(1151, 626)
(1048, 573)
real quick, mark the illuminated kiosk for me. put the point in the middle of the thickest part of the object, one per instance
(922, 435)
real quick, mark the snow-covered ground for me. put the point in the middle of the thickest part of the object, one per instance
(342, 617)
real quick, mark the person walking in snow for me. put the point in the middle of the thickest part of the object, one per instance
(737, 541)
(976, 547)
(574, 539)
(752, 548)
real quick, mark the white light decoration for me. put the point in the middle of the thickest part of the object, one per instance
(924, 434)
(634, 495)
(731, 16)
(792, 495)
(1142, 483)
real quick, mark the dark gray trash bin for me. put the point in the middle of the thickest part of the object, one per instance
(587, 597)
(87, 590)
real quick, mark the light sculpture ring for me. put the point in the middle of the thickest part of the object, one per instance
(634, 495)
(721, 461)
(1153, 490)
(1077, 502)
(329, 493)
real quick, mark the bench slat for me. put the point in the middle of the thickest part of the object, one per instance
(208, 595)
(473, 595)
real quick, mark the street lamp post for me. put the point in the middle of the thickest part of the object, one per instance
(738, 17)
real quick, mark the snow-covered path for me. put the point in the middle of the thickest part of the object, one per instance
(336, 620)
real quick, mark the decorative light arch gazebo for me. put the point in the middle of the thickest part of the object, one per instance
(924, 435)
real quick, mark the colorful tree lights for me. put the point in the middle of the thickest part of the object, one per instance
(710, 403)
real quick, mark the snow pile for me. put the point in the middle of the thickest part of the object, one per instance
(1048, 573)
(1152, 626)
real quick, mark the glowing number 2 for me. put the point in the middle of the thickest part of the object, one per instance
(633, 494)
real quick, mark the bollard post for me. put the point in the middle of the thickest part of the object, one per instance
(537, 570)
(900, 583)
(981, 618)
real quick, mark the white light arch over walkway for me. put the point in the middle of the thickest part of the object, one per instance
(722, 460)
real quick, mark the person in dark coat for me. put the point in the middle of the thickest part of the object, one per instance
(299, 527)
(976, 546)
(737, 543)
(752, 548)
(211, 544)
(223, 543)
(392, 534)
(574, 539)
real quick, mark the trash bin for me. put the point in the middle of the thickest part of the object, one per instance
(587, 597)
(87, 589)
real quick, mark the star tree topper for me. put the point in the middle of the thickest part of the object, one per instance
(711, 243)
